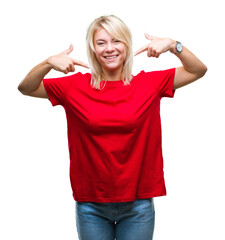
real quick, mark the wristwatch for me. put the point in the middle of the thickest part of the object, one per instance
(179, 47)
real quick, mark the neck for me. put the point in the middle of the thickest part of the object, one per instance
(112, 75)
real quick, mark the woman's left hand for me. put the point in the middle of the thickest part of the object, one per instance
(157, 46)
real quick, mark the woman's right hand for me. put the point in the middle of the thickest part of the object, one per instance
(32, 84)
(64, 63)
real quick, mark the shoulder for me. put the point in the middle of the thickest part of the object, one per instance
(79, 81)
(153, 75)
(143, 75)
(68, 81)
(76, 78)
(79, 76)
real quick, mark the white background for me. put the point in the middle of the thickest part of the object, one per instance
(36, 199)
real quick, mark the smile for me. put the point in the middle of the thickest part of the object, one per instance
(111, 57)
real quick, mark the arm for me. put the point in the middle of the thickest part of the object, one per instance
(32, 84)
(192, 68)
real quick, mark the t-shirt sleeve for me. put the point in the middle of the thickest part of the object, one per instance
(57, 88)
(162, 81)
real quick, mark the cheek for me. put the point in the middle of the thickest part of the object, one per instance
(124, 54)
(98, 53)
(124, 51)
(97, 56)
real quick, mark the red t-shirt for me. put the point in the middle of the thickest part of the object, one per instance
(114, 135)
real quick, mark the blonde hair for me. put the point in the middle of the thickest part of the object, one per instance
(117, 28)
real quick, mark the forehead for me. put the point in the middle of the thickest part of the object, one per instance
(101, 33)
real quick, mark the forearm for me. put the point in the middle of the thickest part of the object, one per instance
(33, 79)
(190, 62)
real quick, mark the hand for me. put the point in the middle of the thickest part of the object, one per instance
(63, 63)
(157, 46)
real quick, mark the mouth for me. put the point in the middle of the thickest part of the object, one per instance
(111, 57)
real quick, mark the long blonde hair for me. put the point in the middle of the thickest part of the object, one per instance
(118, 29)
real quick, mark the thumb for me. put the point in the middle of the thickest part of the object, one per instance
(149, 37)
(69, 50)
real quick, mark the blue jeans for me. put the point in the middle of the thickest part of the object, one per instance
(121, 221)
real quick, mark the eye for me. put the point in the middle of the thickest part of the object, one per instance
(100, 43)
(117, 41)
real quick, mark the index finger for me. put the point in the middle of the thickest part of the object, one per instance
(79, 63)
(140, 50)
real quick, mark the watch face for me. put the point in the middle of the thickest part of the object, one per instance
(179, 47)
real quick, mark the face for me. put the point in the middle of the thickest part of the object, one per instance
(110, 52)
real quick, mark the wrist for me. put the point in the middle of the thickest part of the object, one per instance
(173, 45)
(177, 49)
(48, 62)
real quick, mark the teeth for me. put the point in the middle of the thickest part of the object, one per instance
(110, 57)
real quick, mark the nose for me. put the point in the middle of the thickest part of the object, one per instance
(110, 47)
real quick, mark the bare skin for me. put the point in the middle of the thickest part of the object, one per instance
(192, 68)
(32, 84)
(106, 46)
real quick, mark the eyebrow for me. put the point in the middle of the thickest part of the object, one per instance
(103, 39)
(100, 40)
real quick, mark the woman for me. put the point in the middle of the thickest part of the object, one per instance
(114, 129)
